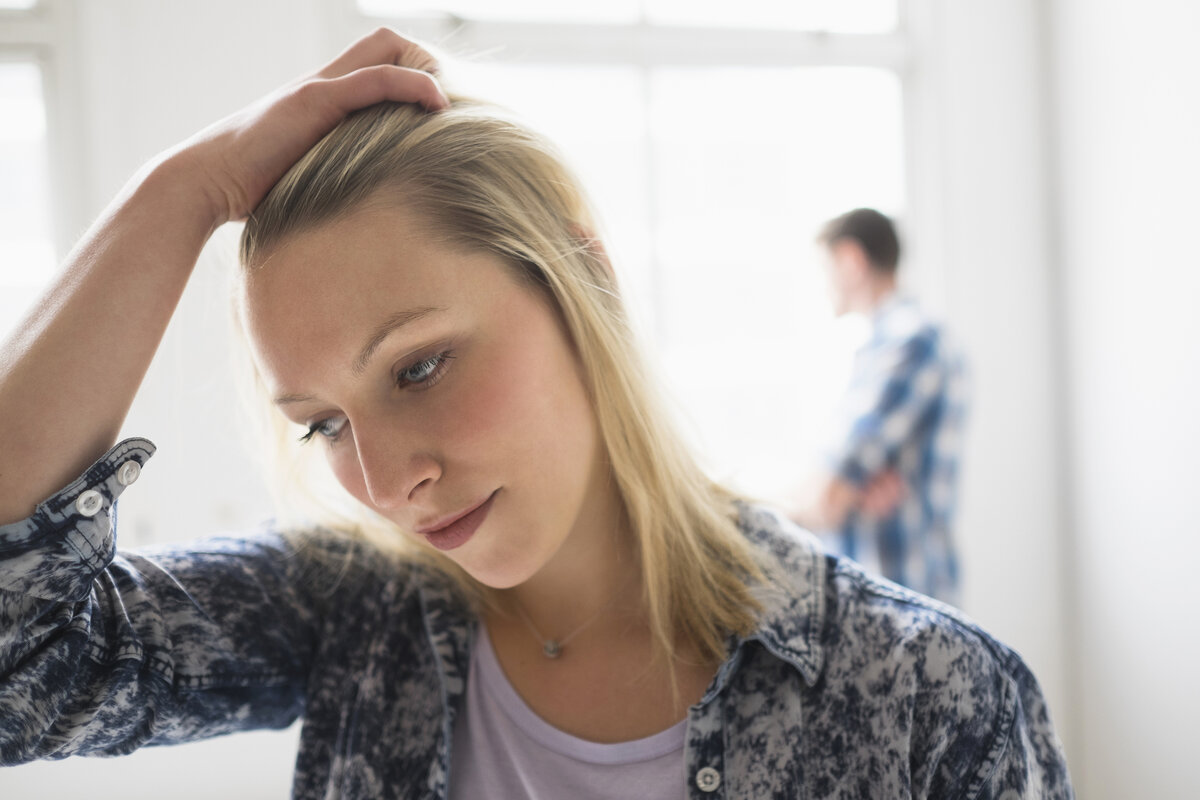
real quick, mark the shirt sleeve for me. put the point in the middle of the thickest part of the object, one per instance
(101, 652)
(981, 725)
(891, 398)
(1025, 757)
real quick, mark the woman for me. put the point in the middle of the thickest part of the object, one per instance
(549, 599)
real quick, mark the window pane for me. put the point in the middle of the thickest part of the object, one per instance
(839, 16)
(749, 339)
(26, 241)
(607, 11)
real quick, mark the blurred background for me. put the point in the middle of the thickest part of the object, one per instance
(1040, 157)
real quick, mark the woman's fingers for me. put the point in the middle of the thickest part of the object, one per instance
(375, 84)
(241, 157)
(383, 46)
(316, 105)
(255, 150)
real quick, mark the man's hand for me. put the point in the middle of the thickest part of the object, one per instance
(883, 495)
(825, 501)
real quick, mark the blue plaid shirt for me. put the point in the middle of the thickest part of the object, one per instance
(904, 411)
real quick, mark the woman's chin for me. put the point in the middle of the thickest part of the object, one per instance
(500, 571)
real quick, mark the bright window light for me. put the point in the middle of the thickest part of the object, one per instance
(743, 186)
(597, 116)
(836, 16)
(710, 207)
(26, 240)
(605, 11)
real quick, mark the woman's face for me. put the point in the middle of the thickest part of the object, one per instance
(445, 393)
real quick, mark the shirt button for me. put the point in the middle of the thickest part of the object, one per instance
(89, 503)
(708, 779)
(129, 472)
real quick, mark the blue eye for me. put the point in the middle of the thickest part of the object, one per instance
(424, 373)
(329, 428)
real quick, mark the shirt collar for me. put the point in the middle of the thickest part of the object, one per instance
(898, 316)
(789, 625)
(890, 304)
(793, 608)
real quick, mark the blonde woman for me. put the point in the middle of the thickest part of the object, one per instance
(543, 595)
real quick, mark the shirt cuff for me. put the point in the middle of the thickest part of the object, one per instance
(58, 550)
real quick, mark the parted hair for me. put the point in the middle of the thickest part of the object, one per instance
(486, 182)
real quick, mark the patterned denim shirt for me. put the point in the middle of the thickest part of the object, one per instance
(849, 688)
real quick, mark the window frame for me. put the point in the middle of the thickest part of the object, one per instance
(912, 51)
(45, 35)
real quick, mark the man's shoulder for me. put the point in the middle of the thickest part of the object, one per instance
(913, 346)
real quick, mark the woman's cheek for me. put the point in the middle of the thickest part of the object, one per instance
(477, 405)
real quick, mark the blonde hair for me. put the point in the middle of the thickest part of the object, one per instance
(487, 183)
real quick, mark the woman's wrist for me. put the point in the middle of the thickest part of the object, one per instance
(177, 183)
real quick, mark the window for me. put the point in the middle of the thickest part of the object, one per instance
(26, 241)
(714, 140)
(859, 16)
(28, 251)
(713, 157)
(746, 334)
(533, 11)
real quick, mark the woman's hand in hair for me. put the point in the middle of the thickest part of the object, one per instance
(101, 320)
(237, 160)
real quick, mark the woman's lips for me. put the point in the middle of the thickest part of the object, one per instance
(456, 532)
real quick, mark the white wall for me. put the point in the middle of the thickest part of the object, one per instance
(153, 74)
(980, 166)
(1128, 113)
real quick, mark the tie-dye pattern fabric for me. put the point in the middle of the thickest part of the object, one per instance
(850, 688)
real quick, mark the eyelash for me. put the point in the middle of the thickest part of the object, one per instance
(315, 430)
(436, 364)
(437, 368)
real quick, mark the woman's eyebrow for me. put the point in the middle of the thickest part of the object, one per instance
(385, 329)
(392, 323)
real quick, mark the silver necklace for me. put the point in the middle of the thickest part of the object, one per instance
(552, 648)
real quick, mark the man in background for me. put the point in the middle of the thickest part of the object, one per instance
(887, 495)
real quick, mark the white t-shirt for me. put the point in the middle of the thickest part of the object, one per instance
(502, 749)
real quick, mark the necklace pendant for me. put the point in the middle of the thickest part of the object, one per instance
(551, 649)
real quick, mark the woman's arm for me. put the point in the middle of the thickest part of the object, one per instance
(70, 372)
(103, 653)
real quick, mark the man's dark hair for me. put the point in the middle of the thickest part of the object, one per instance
(874, 232)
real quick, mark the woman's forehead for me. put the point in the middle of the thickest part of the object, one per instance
(351, 273)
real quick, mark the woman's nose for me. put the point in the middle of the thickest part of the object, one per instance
(394, 473)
